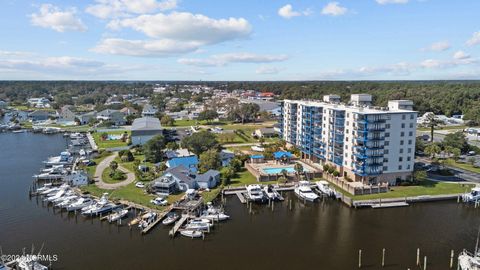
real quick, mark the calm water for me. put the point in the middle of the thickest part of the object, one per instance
(326, 235)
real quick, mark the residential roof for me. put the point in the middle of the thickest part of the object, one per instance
(178, 153)
(181, 173)
(256, 156)
(270, 130)
(107, 112)
(39, 113)
(149, 109)
(185, 161)
(210, 174)
(146, 123)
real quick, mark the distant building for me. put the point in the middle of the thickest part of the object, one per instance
(265, 132)
(77, 178)
(129, 111)
(178, 153)
(67, 114)
(148, 111)
(181, 178)
(3, 104)
(86, 117)
(38, 115)
(144, 129)
(114, 116)
(226, 156)
(39, 102)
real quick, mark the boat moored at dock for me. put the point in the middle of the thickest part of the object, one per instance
(304, 191)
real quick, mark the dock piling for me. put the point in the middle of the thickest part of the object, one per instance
(452, 253)
(418, 256)
(425, 263)
(290, 204)
(359, 258)
(383, 257)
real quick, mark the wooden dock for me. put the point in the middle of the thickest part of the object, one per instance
(177, 225)
(160, 216)
(241, 197)
(390, 204)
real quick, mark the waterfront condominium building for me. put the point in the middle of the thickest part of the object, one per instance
(365, 143)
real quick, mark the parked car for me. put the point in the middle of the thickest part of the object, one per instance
(140, 185)
(159, 201)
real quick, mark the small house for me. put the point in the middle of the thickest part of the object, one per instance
(226, 156)
(144, 129)
(209, 180)
(77, 178)
(265, 132)
(148, 111)
(38, 115)
(189, 162)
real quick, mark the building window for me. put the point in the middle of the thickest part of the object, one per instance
(387, 134)
(410, 133)
(411, 125)
(385, 151)
(385, 160)
(399, 167)
(401, 142)
(400, 159)
(387, 143)
(403, 117)
(409, 158)
(408, 167)
(410, 142)
(385, 168)
(411, 116)
(387, 125)
(403, 125)
(409, 150)
(401, 150)
(402, 134)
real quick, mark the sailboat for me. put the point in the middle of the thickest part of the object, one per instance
(468, 261)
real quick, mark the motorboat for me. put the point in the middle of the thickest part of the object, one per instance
(271, 193)
(324, 187)
(199, 224)
(55, 195)
(79, 204)
(117, 215)
(100, 207)
(159, 201)
(67, 201)
(467, 261)
(191, 233)
(66, 195)
(255, 193)
(215, 217)
(44, 187)
(170, 219)
(472, 196)
(65, 158)
(29, 263)
(304, 191)
(147, 219)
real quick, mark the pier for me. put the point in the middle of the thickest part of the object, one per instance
(178, 225)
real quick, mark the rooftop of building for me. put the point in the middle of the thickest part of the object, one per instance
(146, 123)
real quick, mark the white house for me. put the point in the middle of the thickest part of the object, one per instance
(77, 178)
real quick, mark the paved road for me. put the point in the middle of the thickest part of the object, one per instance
(244, 144)
(438, 137)
(460, 175)
(103, 165)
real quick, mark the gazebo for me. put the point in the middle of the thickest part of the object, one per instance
(282, 156)
(257, 159)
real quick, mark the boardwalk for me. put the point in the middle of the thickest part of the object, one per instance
(104, 165)
(177, 226)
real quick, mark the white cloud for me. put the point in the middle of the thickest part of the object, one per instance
(334, 9)
(461, 55)
(14, 53)
(225, 59)
(474, 40)
(186, 26)
(287, 12)
(439, 46)
(161, 48)
(267, 70)
(384, 2)
(432, 63)
(50, 16)
(175, 33)
(105, 9)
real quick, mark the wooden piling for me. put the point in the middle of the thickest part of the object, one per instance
(359, 258)
(418, 256)
(383, 257)
(290, 202)
(452, 253)
(425, 263)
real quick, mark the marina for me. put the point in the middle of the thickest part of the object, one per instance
(318, 219)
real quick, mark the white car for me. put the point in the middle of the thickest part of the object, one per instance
(140, 185)
(159, 201)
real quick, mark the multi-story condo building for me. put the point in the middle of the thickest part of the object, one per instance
(365, 143)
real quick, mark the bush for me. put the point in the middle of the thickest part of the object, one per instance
(331, 170)
(336, 173)
(326, 168)
(118, 175)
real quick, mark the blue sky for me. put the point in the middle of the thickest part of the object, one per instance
(240, 40)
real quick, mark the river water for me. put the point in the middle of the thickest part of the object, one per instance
(325, 235)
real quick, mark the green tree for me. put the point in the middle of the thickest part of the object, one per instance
(432, 123)
(209, 160)
(167, 120)
(153, 149)
(471, 160)
(207, 115)
(172, 145)
(227, 173)
(113, 166)
(200, 142)
(432, 150)
(456, 140)
(127, 156)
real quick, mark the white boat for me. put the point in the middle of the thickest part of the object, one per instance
(55, 195)
(29, 263)
(202, 224)
(64, 159)
(170, 219)
(472, 196)
(102, 206)
(116, 215)
(79, 204)
(44, 187)
(191, 233)
(147, 219)
(467, 261)
(324, 187)
(215, 217)
(271, 193)
(68, 193)
(255, 193)
(304, 191)
(66, 200)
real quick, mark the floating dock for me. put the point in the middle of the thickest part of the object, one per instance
(390, 204)
(178, 225)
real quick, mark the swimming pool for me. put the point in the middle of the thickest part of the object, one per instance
(279, 170)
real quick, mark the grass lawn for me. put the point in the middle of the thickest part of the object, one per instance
(461, 127)
(426, 187)
(110, 143)
(187, 123)
(131, 193)
(244, 177)
(209, 196)
(91, 169)
(465, 166)
(107, 179)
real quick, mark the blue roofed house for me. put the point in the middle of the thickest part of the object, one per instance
(210, 179)
(226, 156)
(189, 162)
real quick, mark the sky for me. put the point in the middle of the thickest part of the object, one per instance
(239, 40)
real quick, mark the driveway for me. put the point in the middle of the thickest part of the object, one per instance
(105, 163)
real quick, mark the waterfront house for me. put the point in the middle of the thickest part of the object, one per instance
(148, 111)
(67, 114)
(183, 152)
(144, 129)
(226, 156)
(166, 184)
(114, 116)
(190, 162)
(86, 117)
(42, 102)
(77, 178)
(265, 132)
(38, 115)
(180, 178)
(129, 111)
(209, 180)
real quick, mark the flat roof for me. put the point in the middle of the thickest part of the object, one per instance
(146, 123)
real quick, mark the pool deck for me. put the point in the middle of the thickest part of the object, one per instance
(257, 169)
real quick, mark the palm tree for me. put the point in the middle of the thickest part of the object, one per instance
(432, 150)
(113, 166)
(298, 169)
(432, 123)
